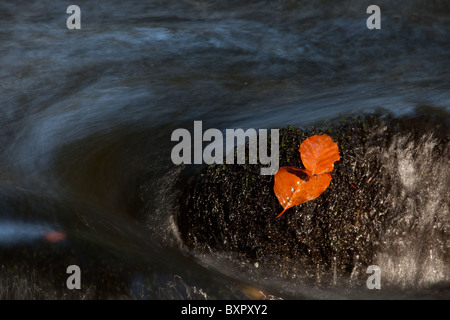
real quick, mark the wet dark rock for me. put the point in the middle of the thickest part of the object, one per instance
(353, 224)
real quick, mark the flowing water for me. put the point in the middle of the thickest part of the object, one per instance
(87, 115)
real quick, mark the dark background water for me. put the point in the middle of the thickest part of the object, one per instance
(86, 115)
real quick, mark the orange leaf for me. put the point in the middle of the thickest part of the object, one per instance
(54, 236)
(318, 154)
(296, 186)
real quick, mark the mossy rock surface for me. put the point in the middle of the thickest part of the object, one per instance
(232, 208)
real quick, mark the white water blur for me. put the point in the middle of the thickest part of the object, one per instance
(411, 252)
